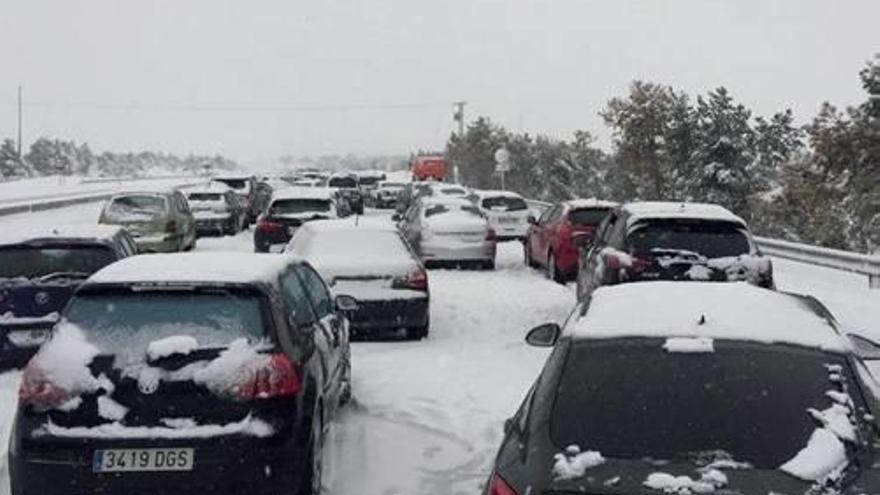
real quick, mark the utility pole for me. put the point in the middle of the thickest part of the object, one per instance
(19, 124)
(458, 116)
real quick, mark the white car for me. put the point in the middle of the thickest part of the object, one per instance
(507, 212)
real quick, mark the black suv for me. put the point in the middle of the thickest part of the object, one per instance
(186, 373)
(671, 241)
(730, 389)
(39, 272)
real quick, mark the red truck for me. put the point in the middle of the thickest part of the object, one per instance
(428, 167)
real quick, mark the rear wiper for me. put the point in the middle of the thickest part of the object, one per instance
(54, 275)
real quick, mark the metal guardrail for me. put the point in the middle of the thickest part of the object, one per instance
(864, 264)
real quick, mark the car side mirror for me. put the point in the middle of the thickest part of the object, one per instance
(532, 220)
(865, 348)
(509, 426)
(346, 303)
(544, 335)
(395, 217)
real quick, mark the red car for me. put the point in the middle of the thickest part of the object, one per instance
(550, 240)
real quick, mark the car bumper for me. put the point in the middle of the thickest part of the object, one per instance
(476, 251)
(509, 232)
(226, 464)
(214, 225)
(378, 315)
(157, 244)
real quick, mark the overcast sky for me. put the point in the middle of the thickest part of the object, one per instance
(258, 79)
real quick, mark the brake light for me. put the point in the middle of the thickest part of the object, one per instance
(275, 377)
(500, 487)
(171, 226)
(39, 391)
(269, 226)
(417, 279)
(490, 235)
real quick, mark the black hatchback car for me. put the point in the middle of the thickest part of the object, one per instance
(646, 241)
(185, 373)
(730, 388)
(39, 272)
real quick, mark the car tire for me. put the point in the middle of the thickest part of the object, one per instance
(527, 255)
(489, 265)
(261, 249)
(553, 270)
(418, 333)
(310, 483)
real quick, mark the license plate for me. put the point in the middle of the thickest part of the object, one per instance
(135, 460)
(507, 220)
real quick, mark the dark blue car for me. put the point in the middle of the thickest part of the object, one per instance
(39, 272)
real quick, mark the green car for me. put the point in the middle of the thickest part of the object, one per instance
(160, 222)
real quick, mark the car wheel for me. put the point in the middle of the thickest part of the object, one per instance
(553, 270)
(527, 255)
(489, 265)
(261, 249)
(417, 333)
(310, 484)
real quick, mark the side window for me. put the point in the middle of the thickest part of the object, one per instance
(317, 290)
(412, 214)
(294, 294)
(128, 245)
(617, 234)
(182, 204)
(546, 214)
(607, 227)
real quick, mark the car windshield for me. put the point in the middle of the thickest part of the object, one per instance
(710, 239)
(748, 400)
(369, 181)
(124, 323)
(295, 206)
(587, 216)
(137, 207)
(35, 262)
(343, 182)
(205, 197)
(437, 209)
(504, 203)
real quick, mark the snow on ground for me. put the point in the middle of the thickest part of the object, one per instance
(427, 416)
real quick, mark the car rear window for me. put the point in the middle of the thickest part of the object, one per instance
(137, 207)
(35, 262)
(343, 182)
(237, 184)
(631, 399)
(710, 239)
(439, 209)
(505, 203)
(371, 245)
(452, 191)
(587, 216)
(294, 206)
(123, 323)
(205, 197)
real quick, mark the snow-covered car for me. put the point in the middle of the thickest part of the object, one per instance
(39, 271)
(449, 231)
(694, 388)
(185, 373)
(385, 196)
(507, 212)
(160, 222)
(288, 210)
(646, 241)
(373, 263)
(217, 209)
(442, 189)
(245, 187)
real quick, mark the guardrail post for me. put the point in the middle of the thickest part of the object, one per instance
(874, 281)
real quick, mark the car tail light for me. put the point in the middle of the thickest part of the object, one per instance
(275, 377)
(39, 391)
(490, 234)
(417, 279)
(500, 487)
(171, 226)
(266, 225)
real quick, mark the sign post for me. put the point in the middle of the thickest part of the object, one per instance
(502, 164)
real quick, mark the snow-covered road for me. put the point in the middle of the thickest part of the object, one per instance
(428, 415)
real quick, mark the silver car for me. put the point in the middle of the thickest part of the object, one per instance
(160, 222)
(448, 231)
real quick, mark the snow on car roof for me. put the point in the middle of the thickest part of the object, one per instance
(495, 193)
(295, 192)
(659, 209)
(350, 223)
(233, 177)
(194, 267)
(84, 232)
(446, 200)
(734, 311)
(210, 187)
(589, 203)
